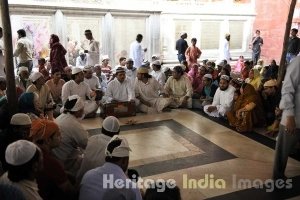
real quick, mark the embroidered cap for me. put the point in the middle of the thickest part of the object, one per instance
(20, 119)
(111, 124)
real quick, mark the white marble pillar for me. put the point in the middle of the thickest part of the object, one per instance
(59, 28)
(153, 34)
(107, 46)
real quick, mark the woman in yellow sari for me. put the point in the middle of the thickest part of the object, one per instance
(248, 110)
(254, 78)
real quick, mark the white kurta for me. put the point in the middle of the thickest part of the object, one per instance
(73, 136)
(150, 92)
(131, 75)
(119, 91)
(224, 51)
(222, 100)
(93, 56)
(159, 76)
(24, 50)
(137, 54)
(93, 82)
(94, 155)
(83, 90)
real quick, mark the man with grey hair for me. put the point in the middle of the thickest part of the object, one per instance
(222, 100)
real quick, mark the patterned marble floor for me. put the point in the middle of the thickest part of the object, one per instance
(193, 150)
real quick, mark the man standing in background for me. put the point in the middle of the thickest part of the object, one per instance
(181, 46)
(293, 46)
(91, 48)
(224, 49)
(136, 51)
(256, 44)
(24, 50)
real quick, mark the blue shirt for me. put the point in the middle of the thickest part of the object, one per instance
(108, 182)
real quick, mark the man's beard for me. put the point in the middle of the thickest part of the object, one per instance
(223, 89)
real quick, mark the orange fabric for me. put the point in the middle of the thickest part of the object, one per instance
(252, 116)
(43, 129)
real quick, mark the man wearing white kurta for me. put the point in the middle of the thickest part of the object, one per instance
(91, 79)
(91, 48)
(79, 87)
(119, 89)
(131, 72)
(147, 90)
(157, 73)
(179, 88)
(223, 99)
(136, 51)
(224, 49)
(94, 155)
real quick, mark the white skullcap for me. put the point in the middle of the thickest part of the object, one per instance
(20, 119)
(225, 77)
(156, 62)
(22, 69)
(120, 151)
(87, 68)
(76, 70)
(81, 52)
(20, 152)
(111, 124)
(35, 76)
(78, 105)
(208, 76)
(105, 57)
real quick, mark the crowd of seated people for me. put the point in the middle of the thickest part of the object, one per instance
(54, 153)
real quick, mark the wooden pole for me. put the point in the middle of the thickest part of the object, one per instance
(8, 53)
(283, 64)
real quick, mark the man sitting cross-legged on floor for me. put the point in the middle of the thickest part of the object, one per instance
(77, 86)
(222, 100)
(120, 89)
(147, 90)
(179, 88)
(94, 155)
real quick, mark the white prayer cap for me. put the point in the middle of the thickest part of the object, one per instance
(81, 52)
(35, 76)
(22, 69)
(105, 57)
(208, 76)
(76, 70)
(156, 62)
(225, 77)
(87, 68)
(78, 105)
(20, 152)
(20, 119)
(142, 70)
(120, 151)
(111, 124)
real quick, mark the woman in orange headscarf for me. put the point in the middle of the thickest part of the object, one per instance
(52, 180)
(248, 110)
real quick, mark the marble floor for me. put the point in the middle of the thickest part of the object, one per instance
(206, 159)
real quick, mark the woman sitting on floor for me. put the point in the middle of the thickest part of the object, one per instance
(254, 79)
(248, 110)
